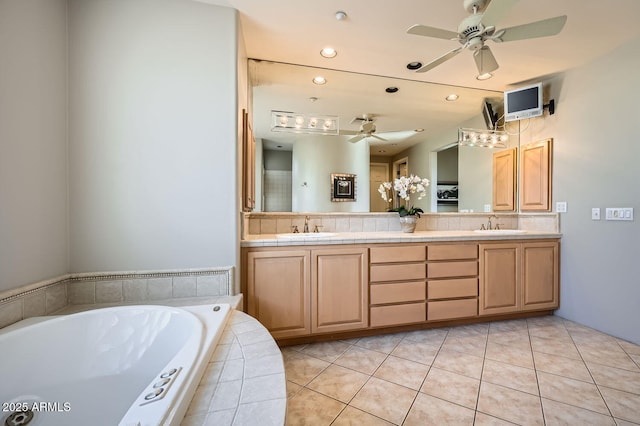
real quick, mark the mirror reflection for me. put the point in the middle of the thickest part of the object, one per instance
(387, 127)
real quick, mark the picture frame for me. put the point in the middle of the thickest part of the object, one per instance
(343, 187)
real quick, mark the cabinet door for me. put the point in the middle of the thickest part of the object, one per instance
(499, 278)
(540, 277)
(278, 291)
(504, 180)
(535, 176)
(339, 289)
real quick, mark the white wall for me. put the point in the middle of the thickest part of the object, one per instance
(595, 164)
(33, 141)
(153, 154)
(315, 158)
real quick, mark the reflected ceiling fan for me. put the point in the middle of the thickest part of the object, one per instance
(480, 26)
(368, 130)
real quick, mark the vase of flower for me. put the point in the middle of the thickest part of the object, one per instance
(408, 223)
(403, 188)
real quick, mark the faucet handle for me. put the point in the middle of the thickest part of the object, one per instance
(294, 229)
(317, 228)
(482, 227)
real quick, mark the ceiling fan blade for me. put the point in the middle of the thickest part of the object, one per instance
(378, 137)
(544, 28)
(440, 60)
(357, 138)
(496, 11)
(423, 30)
(485, 61)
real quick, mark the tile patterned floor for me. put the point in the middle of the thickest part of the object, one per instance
(540, 371)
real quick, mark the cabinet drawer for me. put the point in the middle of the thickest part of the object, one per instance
(397, 292)
(449, 289)
(397, 254)
(400, 272)
(449, 309)
(452, 269)
(398, 314)
(452, 252)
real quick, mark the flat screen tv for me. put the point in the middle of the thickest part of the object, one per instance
(490, 118)
(524, 102)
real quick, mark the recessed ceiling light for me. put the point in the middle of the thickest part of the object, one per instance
(328, 52)
(452, 97)
(381, 151)
(391, 89)
(414, 65)
(319, 80)
(485, 76)
(340, 15)
(279, 146)
(419, 130)
(313, 99)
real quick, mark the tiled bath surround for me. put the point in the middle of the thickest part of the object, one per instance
(277, 223)
(48, 297)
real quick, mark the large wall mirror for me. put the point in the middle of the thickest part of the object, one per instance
(416, 131)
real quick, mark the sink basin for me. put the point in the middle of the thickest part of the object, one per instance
(302, 235)
(500, 231)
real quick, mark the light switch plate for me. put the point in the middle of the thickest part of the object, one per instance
(619, 213)
(595, 213)
(561, 207)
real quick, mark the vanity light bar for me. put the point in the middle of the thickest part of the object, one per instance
(482, 138)
(292, 122)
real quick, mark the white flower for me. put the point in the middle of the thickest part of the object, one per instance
(404, 187)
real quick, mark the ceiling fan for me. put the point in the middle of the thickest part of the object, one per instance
(480, 26)
(368, 130)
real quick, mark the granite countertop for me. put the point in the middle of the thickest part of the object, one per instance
(272, 240)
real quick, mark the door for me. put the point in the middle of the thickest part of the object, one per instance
(499, 278)
(278, 291)
(339, 289)
(378, 173)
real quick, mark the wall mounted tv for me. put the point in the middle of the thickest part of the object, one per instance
(490, 117)
(523, 102)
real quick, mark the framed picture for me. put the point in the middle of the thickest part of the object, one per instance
(343, 187)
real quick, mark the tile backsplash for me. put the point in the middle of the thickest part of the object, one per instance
(47, 297)
(277, 223)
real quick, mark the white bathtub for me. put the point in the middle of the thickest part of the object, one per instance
(97, 367)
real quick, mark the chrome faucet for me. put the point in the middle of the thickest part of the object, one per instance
(489, 225)
(306, 224)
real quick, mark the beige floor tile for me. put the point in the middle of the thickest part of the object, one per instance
(621, 422)
(615, 378)
(623, 405)
(384, 399)
(472, 345)
(301, 368)
(561, 366)
(469, 330)
(628, 347)
(458, 362)
(519, 339)
(326, 351)
(433, 336)
(516, 355)
(564, 348)
(427, 410)
(338, 382)
(557, 413)
(452, 387)
(421, 352)
(292, 388)
(509, 404)
(361, 359)
(402, 372)
(611, 355)
(508, 325)
(385, 343)
(510, 376)
(351, 416)
(572, 392)
(311, 408)
(487, 420)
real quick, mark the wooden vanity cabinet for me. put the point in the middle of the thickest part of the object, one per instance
(519, 276)
(299, 292)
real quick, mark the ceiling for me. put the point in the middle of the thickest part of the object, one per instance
(373, 40)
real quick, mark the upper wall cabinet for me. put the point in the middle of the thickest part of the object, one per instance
(248, 164)
(535, 176)
(504, 180)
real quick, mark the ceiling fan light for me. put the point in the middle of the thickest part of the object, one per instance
(485, 76)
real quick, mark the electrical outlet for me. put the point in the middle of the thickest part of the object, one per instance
(487, 208)
(561, 207)
(595, 213)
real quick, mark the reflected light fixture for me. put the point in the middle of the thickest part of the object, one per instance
(293, 122)
(482, 138)
(485, 76)
(452, 97)
(328, 52)
(319, 80)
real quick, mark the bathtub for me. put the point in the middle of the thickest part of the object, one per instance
(129, 365)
